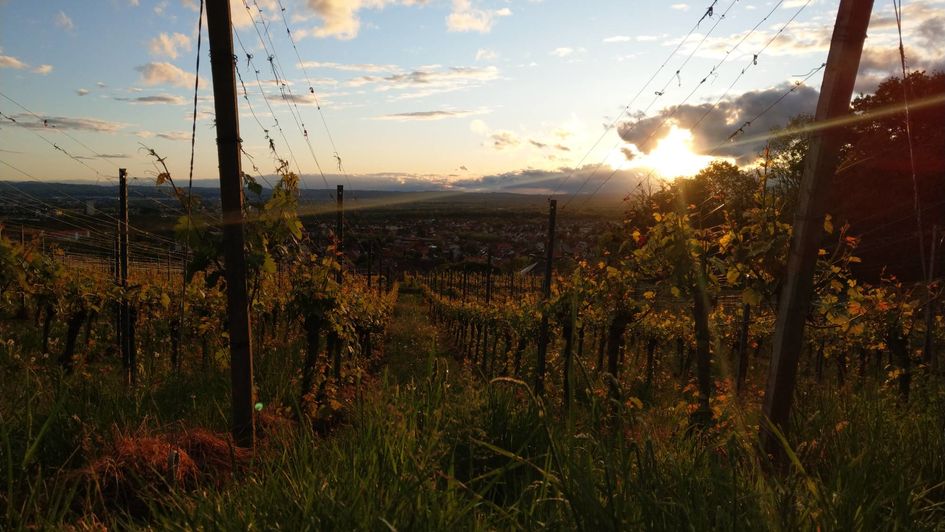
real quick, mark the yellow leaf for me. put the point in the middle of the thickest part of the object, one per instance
(751, 296)
(675, 291)
(658, 217)
(828, 224)
(732, 276)
(821, 252)
(726, 240)
(649, 294)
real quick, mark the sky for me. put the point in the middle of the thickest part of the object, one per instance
(530, 96)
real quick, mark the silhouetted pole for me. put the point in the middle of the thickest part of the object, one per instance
(220, 30)
(370, 260)
(124, 313)
(843, 61)
(465, 283)
(489, 278)
(340, 229)
(546, 295)
(928, 345)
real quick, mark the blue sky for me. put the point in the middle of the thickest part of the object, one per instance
(422, 94)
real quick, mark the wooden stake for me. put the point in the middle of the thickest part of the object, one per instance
(220, 30)
(546, 293)
(124, 316)
(843, 61)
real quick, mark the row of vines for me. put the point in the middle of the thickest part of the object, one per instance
(692, 277)
(314, 325)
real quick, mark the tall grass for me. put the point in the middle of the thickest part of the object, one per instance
(431, 447)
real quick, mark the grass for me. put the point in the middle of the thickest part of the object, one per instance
(429, 446)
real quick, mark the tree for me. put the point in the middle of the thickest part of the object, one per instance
(874, 191)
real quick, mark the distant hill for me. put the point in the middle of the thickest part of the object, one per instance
(105, 194)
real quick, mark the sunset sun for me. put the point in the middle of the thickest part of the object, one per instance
(672, 157)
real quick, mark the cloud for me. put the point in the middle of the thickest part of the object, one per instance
(165, 99)
(350, 67)
(167, 45)
(730, 115)
(618, 38)
(563, 51)
(503, 140)
(429, 80)
(545, 146)
(268, 11)
(428, 115)
(8, 61)
(63, 21)
(340, 17)
(103, 156)
(465, 17)
(173, 135)
(567, 51)
(680, 7)
(483, 54)
(160, 7)
(155, 73)
(64, 122)
(82, 92)
(305, 98)
(479, 127)
(561, 180)
(549, 146)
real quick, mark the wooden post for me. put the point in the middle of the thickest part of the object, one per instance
(124, 313)
(546, 293)
(380, 269)
(843, 60)
(370, 258)
(489, 278)
(340, 230)
(465, 283)
(928, 346)
(220, 30)
(742, 361)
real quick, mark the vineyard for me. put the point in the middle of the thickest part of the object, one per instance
(633, 372)
(755, 345)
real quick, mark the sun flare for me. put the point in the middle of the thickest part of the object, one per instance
(672, 157)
